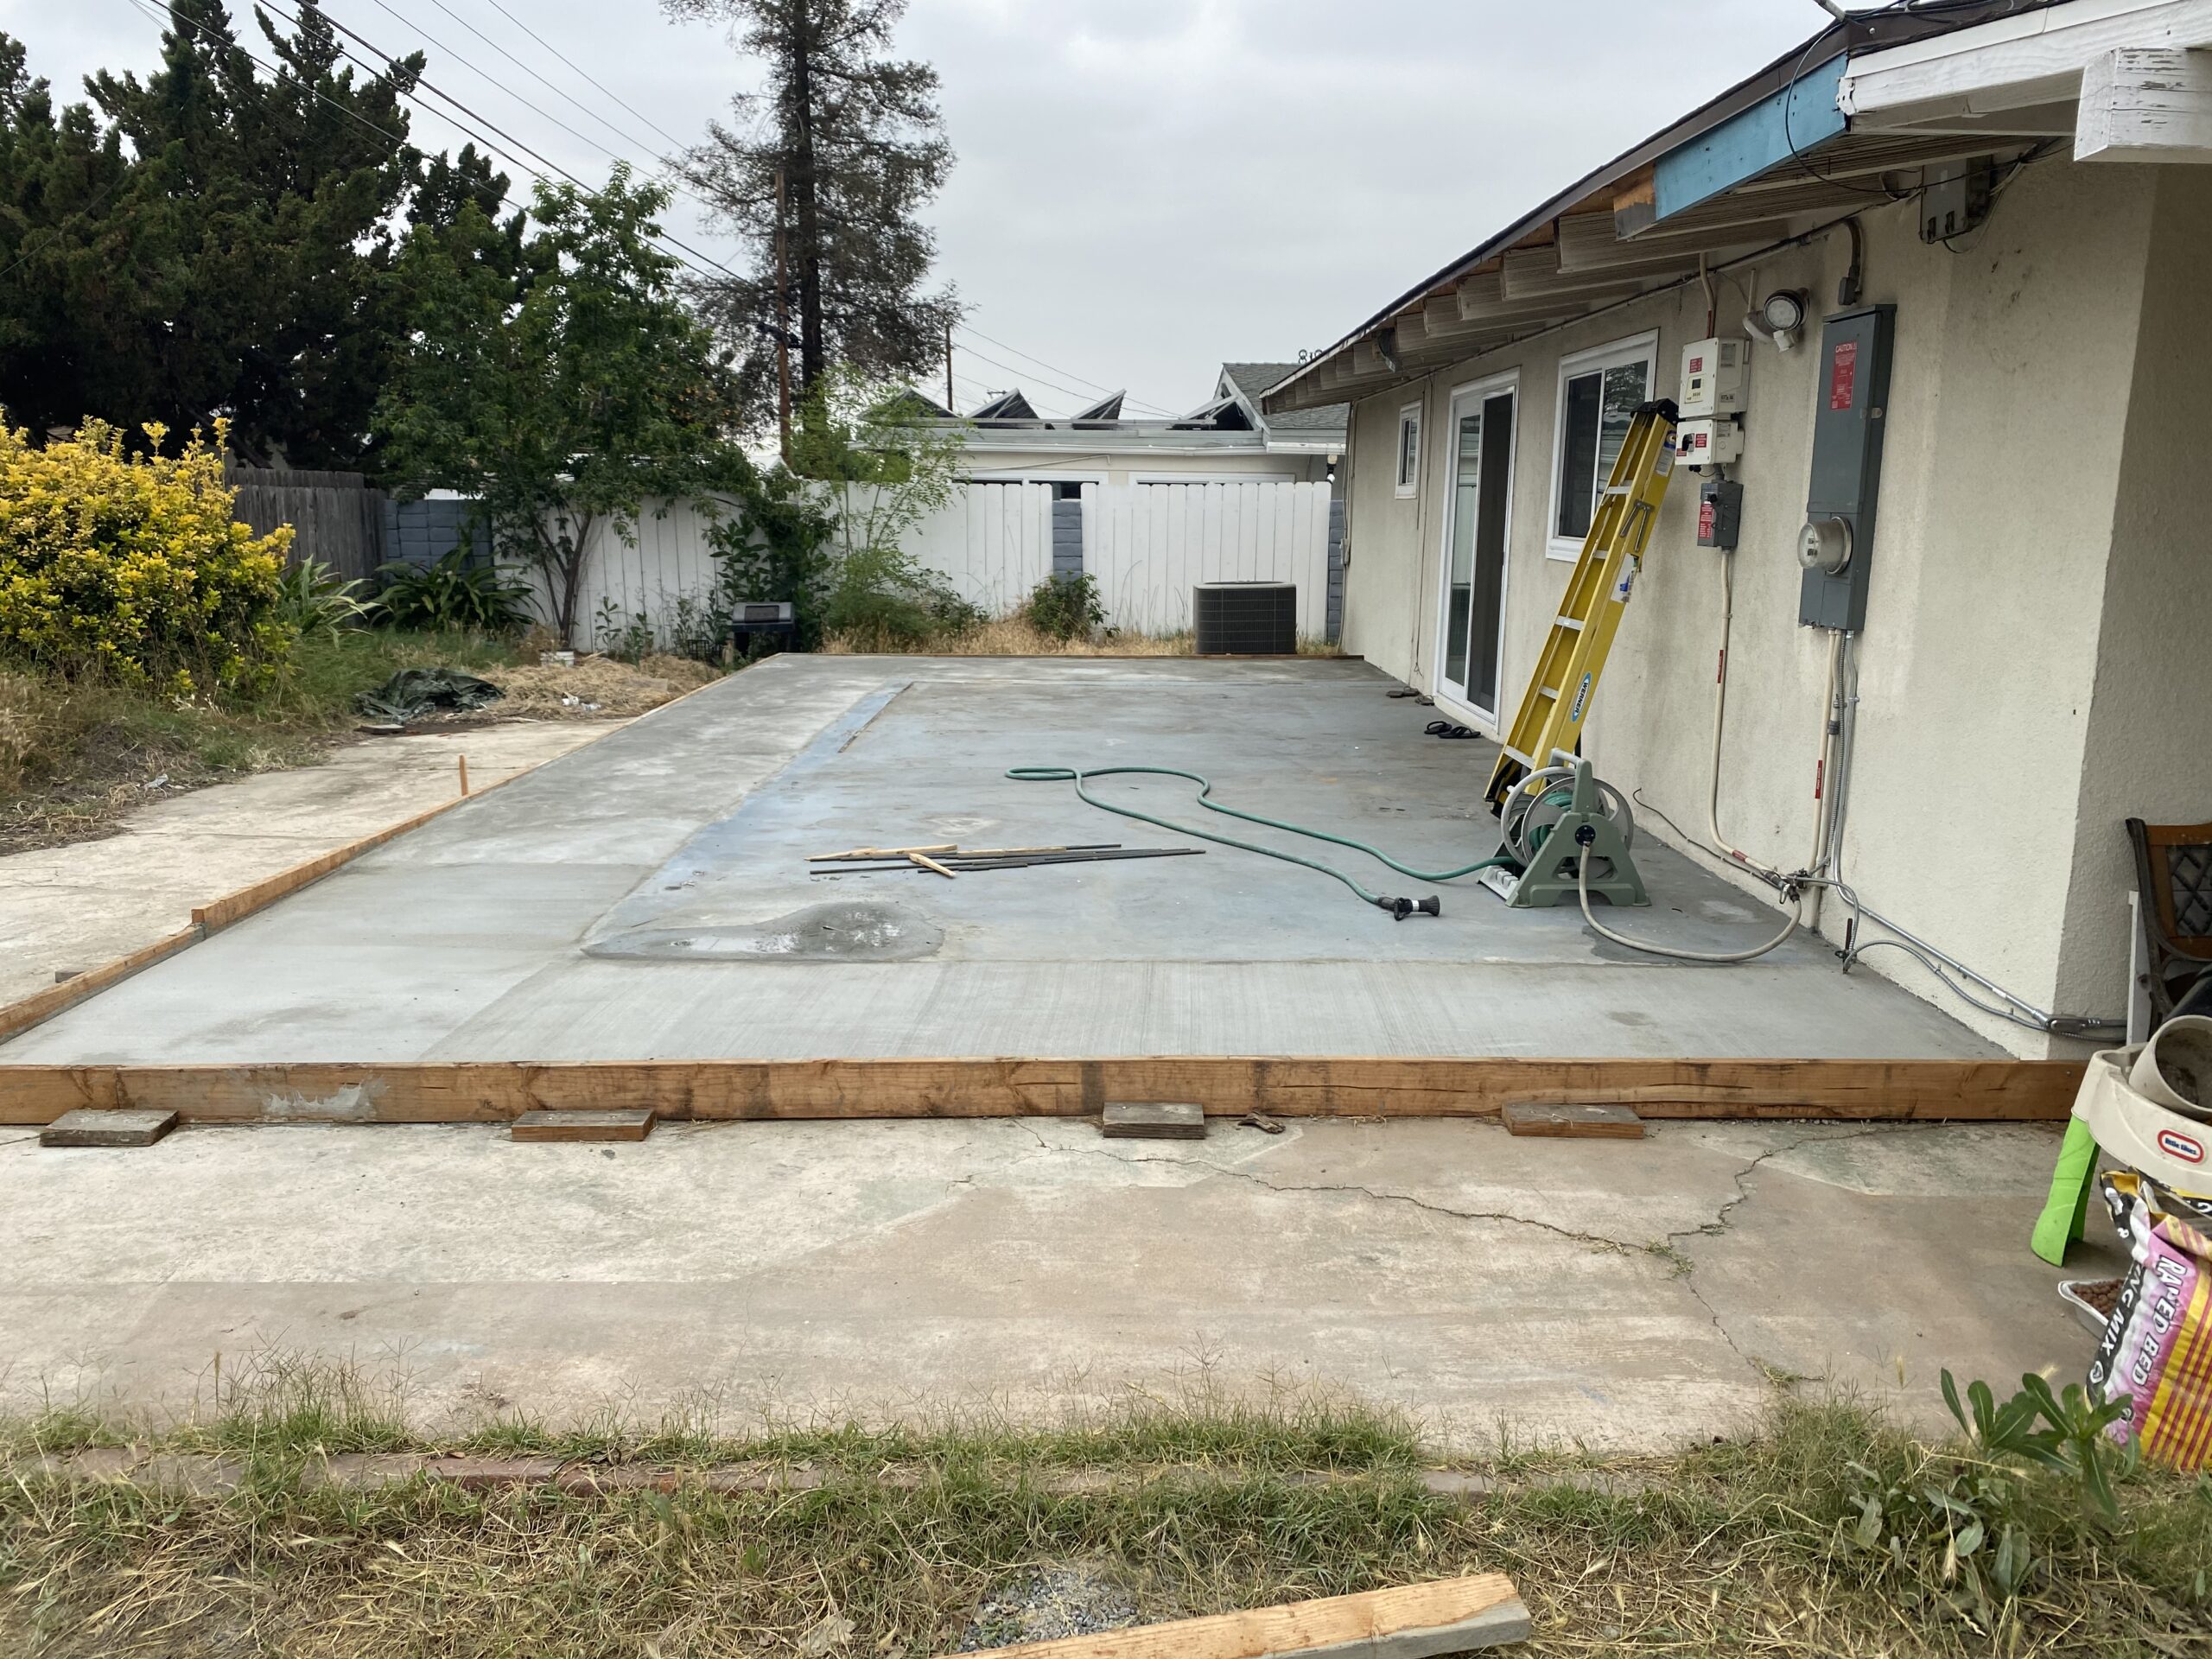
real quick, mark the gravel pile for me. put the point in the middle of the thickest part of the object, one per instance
(1061, 1601)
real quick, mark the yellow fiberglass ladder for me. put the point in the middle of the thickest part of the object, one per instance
(1566, 680)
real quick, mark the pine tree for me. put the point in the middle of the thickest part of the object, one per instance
(217, 238)
(854, 138)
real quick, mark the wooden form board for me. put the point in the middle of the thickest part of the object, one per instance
(711, 1090)
(19, 1017)
(1413, 1621)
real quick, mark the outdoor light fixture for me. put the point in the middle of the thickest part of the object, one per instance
(1781, 319)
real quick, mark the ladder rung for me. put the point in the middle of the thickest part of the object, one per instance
(1512, 754)
(1574, 622)
(1617, 489)
(1551, 691)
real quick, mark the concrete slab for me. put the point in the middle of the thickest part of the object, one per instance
(1625, 1295)
(74, 907)
(650, 898)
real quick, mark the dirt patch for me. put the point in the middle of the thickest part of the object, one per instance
(596, 688)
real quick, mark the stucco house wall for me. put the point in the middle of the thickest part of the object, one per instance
(2039, 403)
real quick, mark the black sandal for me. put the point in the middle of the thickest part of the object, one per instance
(1445, 728)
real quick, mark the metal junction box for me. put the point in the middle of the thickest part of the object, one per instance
(1852, 391)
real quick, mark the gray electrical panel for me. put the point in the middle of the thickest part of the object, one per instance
(1852, 391)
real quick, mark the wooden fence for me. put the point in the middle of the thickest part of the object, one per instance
(335, 517)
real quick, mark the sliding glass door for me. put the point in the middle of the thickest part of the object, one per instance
(1471, 638)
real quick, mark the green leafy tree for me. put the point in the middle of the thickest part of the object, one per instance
(562, 382)
(855, 136)
(883, 463)
(216, 239)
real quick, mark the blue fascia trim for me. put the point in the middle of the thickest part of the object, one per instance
(1799, 117)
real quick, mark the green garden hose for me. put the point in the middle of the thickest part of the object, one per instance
(1399, 908)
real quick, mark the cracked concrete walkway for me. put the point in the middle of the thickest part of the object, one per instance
(1628, 1295)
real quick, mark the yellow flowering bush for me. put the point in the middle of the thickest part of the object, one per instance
(129, 567)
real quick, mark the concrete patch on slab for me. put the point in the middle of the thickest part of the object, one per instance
(356, 1103)
(870, 930)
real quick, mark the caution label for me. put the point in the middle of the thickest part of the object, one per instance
(1843, 374)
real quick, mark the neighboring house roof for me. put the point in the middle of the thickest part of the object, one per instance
(1771, 161)
(1248, 382)
(1230, 419)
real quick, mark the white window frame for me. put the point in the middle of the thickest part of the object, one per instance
(1407, 456)
(1644, 348)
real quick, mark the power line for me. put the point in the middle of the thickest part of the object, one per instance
(564, 58)
(626, 136)
(1040, 379)
(1029, 356)
(388, 75)
(438, 92)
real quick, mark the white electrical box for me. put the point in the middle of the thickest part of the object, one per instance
(1708, 443)
(1713, 373)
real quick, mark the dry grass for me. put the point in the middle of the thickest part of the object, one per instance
(1727, 1550)
(597, 688)
(1015, 636)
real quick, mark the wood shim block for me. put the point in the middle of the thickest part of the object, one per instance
(107, 1129)
(615, 1123)
(1154, 1120)
(1416, 1621)
(1573, 1121)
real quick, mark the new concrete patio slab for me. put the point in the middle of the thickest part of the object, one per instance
(649, 898)
(1627, 1295)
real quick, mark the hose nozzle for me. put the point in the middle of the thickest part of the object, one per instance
(1401, 908)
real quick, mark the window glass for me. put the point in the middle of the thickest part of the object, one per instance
(1466, 481)
(1409, 449)
(1578, 466)
(1597, 405)
(1625, 395)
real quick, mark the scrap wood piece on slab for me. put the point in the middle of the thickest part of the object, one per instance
(607, 1123)
(929, 863)
(1571, 1120)
(1154, 1120)
(1414, 1621)
(106, 1127)
(882, 852)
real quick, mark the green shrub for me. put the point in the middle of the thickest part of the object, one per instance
(453, 595)
(1065, 608)
(129, 568)
(881, 596)
(314, 603)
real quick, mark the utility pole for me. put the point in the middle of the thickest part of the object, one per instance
(783, 331)
(949, 404)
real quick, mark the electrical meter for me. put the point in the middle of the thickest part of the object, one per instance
(1713, 377)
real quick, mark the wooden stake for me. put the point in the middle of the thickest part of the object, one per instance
(929, 863)
(464, 773)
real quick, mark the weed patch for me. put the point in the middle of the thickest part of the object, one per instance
(1737, 1548)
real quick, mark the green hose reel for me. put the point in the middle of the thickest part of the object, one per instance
(1552, 821)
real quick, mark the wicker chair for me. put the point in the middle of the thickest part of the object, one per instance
(2173, 874)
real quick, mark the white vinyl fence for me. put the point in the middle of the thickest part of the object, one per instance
(1147, 543)
(1144, 543)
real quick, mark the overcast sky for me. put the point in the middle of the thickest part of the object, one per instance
(1144, 187)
